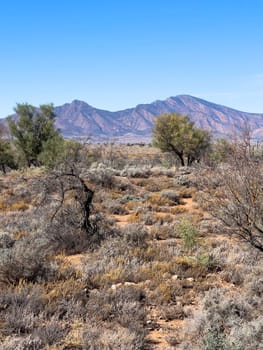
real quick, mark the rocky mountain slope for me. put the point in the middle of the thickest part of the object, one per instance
(80, 120)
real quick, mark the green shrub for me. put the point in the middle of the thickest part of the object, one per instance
(215, 340)
(188, 233)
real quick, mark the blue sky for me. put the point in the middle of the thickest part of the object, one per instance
(115, 54)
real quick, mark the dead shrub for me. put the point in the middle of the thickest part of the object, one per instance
(167, 292)
(172, 312)
(29, 342)
(135, 235)
(114, 207)
(97, 336)
(123, 305)
(172, 196)
(51, 332)
(21, 309)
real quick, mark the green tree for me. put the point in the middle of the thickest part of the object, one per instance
(6, 152)
(34, 133)
(221, 150)
(175, 133)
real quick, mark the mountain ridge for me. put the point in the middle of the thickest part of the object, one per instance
(80, 120)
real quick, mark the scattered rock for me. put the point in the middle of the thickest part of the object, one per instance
(175, 277)
(115, 286)
(190, 279)
(129, 284)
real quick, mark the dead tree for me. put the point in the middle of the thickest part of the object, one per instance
(68, 198)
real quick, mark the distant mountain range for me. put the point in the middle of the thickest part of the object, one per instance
(80, 120)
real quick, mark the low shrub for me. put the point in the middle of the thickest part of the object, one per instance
(129, 198)
(136, 172)
(148, 219)
(114, 207)
(233, 276)
(172, 312)
(28, 259)
(97, 336)
(157, 199)
(6, 240)
(226, 320)
(167, 292)
(215, 339)
(51, 332)
(248, 336)
(257, 287)
(135, 235)
(188, 233)
(21, 309)
(66, 299)
(101, 176)
(164, 231)
(123, 305)
(179, 209)
(172, 196)
(29, 342)
(62, 237)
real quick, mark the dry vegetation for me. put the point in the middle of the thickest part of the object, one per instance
(147, 267)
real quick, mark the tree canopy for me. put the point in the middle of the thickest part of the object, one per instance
(177, 134)
(34, 133)
(6, 151)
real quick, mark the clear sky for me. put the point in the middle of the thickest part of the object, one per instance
(115, 54)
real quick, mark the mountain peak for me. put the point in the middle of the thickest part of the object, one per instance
(138, 121)
(80, 103)
(79, 119)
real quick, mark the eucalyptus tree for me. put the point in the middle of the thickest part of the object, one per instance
(177, 134)
(34, 133)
